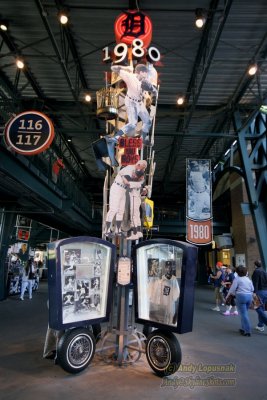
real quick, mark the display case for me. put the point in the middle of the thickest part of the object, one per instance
(164, 277)
(80, 275)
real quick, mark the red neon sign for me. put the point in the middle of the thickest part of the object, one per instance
(131, 25)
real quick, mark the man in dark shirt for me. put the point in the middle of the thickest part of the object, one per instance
(259, 279)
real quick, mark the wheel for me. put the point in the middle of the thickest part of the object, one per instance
(163, 352)
(76, 349)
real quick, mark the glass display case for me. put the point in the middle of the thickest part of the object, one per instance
(80, 272)
(164, 276)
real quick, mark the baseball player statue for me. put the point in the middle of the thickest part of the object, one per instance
(117, 197)
(137, 83)
(136, 191)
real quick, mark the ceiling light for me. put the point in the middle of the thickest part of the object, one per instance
(88, 98)
(82, 162)
(20, 64)
(180, 100)
(63, 17)
(201, 17)
(3, 26)
(69, 139)
(252, 69)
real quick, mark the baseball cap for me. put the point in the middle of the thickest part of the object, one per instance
(219, 264)
(168, 264)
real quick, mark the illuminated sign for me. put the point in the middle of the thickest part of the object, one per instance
(133, 24)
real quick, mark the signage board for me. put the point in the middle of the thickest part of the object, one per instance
(29, 133)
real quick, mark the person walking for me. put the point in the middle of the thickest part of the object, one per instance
(27, 279)
(217, 280)
(242, 288)
(259, 279)
(228, 280)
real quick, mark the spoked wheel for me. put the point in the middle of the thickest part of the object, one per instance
(163, 352)
(76, 349)
(131, 352)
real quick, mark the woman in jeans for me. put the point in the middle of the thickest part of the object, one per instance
(242, 288)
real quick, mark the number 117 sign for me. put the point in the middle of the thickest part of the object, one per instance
(29, 133)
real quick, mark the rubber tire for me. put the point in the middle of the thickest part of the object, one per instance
(76, 349)
(163, 352)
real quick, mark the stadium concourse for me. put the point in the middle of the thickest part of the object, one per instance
(217, 362)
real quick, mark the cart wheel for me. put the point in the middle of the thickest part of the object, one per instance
(163, 352)
(76, 349)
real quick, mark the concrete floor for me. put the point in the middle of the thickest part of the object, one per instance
(214, 342)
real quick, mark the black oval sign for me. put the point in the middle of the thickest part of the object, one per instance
(29, 133)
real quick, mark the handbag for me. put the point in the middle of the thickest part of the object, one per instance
(256, 302)
(31, 275)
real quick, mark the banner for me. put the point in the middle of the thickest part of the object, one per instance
(198, 202)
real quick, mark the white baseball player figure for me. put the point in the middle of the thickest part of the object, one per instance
(164, 294)
(137, 83)
(117, 195)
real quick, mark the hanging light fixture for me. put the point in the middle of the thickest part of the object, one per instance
(201, 17)
(20, 63)
(253, 68)
(3, 25)
(180, 100)
(63, 17)
(87, 98)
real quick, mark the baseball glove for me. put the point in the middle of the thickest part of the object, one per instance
(147, 86)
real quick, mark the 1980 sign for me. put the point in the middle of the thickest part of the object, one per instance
(29, 133)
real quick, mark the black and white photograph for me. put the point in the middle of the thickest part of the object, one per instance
(198, 189)
(72, 257)
(84, 281)
(153, 268)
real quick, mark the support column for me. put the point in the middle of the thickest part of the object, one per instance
(252, 145)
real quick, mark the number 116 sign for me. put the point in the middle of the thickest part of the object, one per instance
(29, 133)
